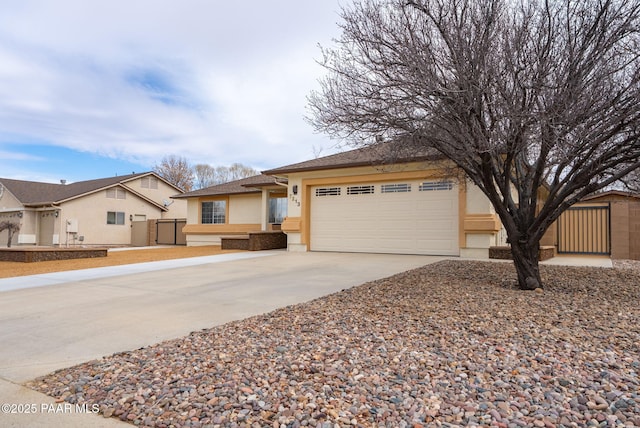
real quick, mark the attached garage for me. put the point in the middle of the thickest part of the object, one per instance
(402, 217)
(386, 198)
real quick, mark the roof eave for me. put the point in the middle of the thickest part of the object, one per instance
(285, 170)
(205, 195)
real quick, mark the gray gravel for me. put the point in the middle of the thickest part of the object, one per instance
(449, 344)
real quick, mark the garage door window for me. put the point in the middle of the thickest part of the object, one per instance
(360, 190)
(328, 191)
(435, 185)
(395, 188)
(214, 212)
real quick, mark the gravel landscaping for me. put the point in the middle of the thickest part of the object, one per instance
(449, 344)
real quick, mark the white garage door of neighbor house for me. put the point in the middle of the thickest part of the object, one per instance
(412, 217)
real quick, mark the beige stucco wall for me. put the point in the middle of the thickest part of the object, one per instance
(91, 214)
(177, 208)
(28, 231)
(481, 223)
(193, 211)
(244, 214)
(245, 209)
(10, 209)
(14, 217)
(8, 202)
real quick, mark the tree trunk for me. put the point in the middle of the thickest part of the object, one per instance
(10, 233)
(525, 259)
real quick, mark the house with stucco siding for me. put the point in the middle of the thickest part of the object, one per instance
(363, 200)
(377, 200)
(238, 207)
(93, 212)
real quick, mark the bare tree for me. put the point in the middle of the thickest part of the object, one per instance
(205, 175)
(632, 181)
(11, 228)
(521, 95)
(176, 170)
(236, 171)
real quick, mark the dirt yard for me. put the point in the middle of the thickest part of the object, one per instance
(114, 258)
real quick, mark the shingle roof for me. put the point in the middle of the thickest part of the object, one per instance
(244, 185)
(36, 193)
(375, 154)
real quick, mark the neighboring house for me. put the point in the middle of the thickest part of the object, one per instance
(363, 200)
(94, 212)
(251, 204)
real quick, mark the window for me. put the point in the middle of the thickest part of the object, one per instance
(277, 210)
(149, 182)
(328, 191)
(436, 185)
(115, 217)
(214, 212)
(116, 193)
(395, 188)
(359, 190)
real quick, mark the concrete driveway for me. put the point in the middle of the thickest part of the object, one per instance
(72, 317)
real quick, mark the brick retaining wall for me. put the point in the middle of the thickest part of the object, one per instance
(39, 254)
(255, 241)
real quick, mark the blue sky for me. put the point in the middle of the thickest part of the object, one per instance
(99, 88)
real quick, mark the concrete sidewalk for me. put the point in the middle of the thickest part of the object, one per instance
(53, 321)
(41, 280)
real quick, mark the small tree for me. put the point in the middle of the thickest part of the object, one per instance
(176, 170)
(11, 228)
(520, 94)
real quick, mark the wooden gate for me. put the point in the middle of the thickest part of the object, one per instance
(585, 230)
(169, 232)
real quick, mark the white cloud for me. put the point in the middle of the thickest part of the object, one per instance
(219, 82)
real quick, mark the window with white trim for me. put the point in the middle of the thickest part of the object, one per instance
(214, 212)
(360, 190)
(116, 193)
(328, 191)
(435, 185)
(115, 217)
(395, 188)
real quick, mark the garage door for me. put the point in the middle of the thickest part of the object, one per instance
(412, 217)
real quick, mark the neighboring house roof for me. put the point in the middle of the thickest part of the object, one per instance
(375, 154)
(244, 185)
(32, 193)
(610, 193)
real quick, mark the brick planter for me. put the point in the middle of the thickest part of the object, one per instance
(504, 253)
(234, 243)
(255, 241)
(42, 254)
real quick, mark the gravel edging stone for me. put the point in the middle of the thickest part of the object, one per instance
(449, 344)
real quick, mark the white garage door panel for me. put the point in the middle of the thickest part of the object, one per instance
(415, 222)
